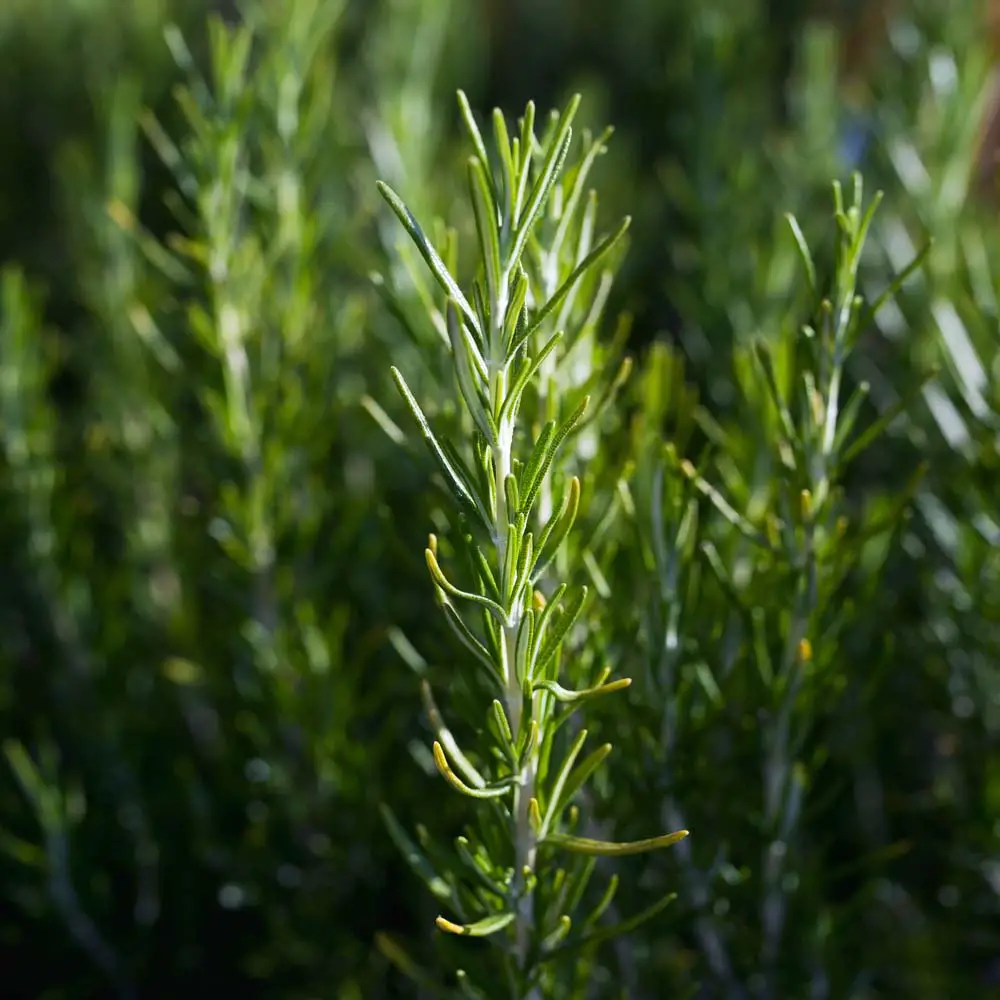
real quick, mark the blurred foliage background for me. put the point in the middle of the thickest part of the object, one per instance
(212, 614)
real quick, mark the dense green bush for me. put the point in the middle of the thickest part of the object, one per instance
(223, 662)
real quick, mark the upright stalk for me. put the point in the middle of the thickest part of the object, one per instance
(525, 848)
(516, 617)
(790, 536)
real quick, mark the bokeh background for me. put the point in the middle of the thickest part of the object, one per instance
(208, 672)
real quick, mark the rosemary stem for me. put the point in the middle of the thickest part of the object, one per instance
(525, 842)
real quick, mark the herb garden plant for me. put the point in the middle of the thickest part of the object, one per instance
(752, 552)
(521, 871)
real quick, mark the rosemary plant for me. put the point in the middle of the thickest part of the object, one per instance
(522, 868)
(758, 535)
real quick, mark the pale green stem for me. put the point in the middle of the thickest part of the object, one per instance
(525, 843)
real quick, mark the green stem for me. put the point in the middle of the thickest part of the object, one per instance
(525, 841)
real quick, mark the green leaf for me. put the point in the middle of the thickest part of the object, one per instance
(442, 581)
(527, 741)
(610, 388)
(481, 565)
(470, 387)
(849, 415)
(570, 784)
(491, 791)
(479, 477)
(528, 143)
(484, 210)
(551, 166)
(620, 929)
(546, 452)
(464, 492)
(472, 865)
(431, 257)
(569, 696)
(803, 247)
(481, 928)
(503, 730)
(44, 799)
(576, 884)
(535, 459)
(526, 372)
(469, 641)
(708, 683)
(511, 494)
(557, 527)
(514, 321)
(508, 167)
(414, 857)
(482, 304)
(385, 422)
(896, 284)
(522, 578)
(604, 902)
(595, 149)
(879, 426)
(861, 236)
(762, 355)
(601, 250)
(599, 580)
(524, 645)
(168, 153)
(558, 935)
(607, 848)
(574, 751)
(447, 740)
(724, 507)
(472, 128)
(548, 640)
(543, 619)
(508, 574)
(425, 297)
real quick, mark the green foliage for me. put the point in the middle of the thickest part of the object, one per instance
(537, 295)
(182, 489)
(713, 486)
(756, 562)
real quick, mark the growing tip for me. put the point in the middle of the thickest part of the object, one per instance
(449, 927)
